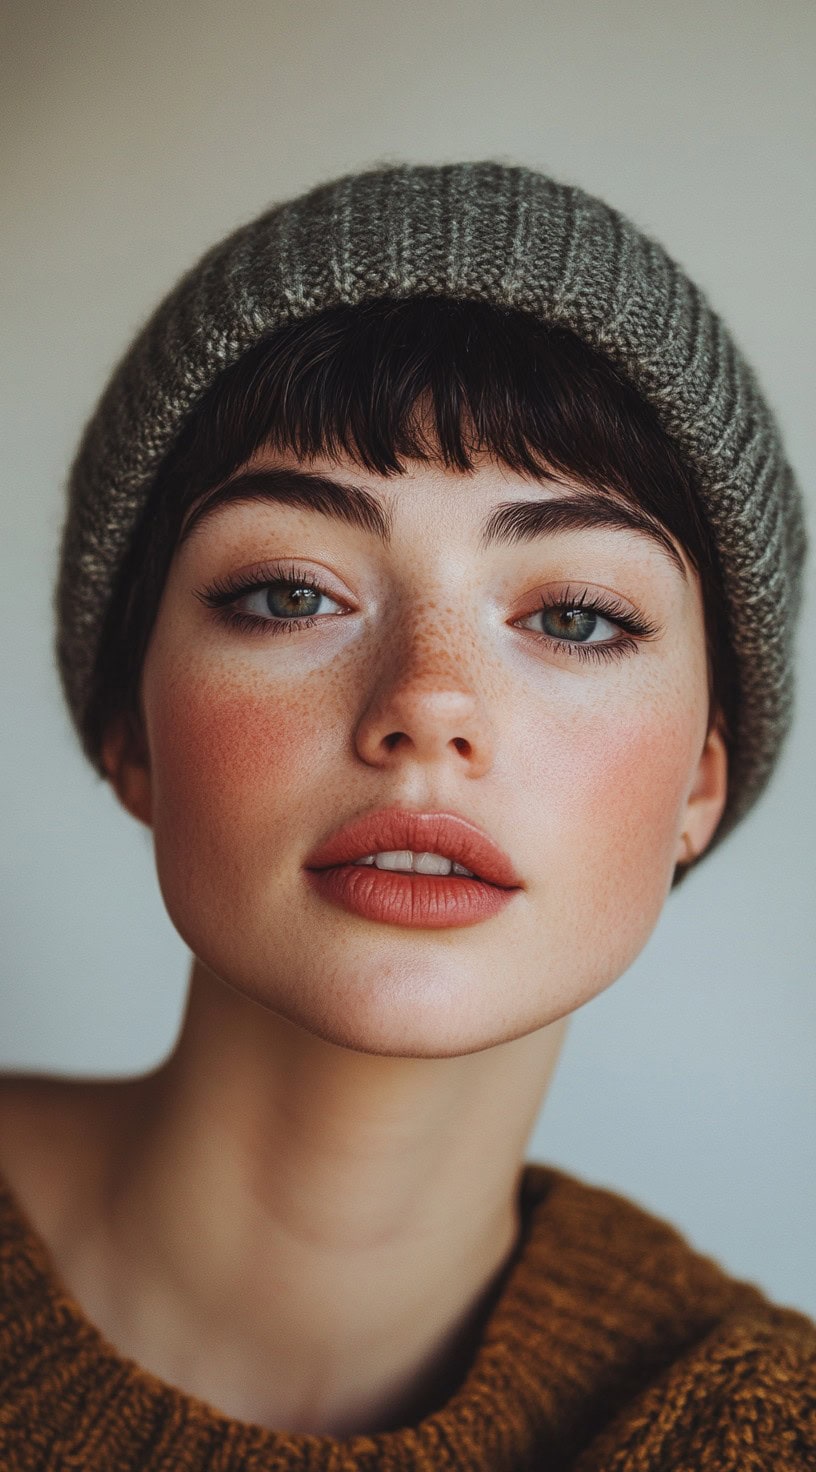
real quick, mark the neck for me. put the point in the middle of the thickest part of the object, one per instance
(315, 1233)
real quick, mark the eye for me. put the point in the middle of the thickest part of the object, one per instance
(588, 624)
(283, 600)
(578, 625)
(270, 601)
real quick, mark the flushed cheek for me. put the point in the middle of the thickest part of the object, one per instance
(612, 789)
(607, 802)
(230, 764)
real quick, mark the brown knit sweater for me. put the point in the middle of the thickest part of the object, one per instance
(611, 1346)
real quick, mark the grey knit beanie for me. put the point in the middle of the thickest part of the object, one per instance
(507, 235)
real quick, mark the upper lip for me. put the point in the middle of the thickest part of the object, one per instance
(395, 828)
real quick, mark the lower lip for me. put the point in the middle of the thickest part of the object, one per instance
(419, 901)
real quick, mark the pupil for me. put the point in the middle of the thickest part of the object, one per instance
(292, 601)
(570, 623)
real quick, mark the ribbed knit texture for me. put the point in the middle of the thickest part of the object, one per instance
(499, 233)
(612, 1347)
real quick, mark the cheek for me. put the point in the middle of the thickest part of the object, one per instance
(611, 786)
(229, 764)
(636, 770)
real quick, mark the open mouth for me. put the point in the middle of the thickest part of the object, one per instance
(428, 845)
(405, 861)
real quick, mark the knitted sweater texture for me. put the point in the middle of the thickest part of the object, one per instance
(611, 1346)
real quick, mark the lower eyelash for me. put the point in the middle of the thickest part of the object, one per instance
(615, 649)
(250, 623)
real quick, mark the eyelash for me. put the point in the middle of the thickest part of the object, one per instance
(224, 591)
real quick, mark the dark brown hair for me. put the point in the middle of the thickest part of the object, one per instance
(430, 378)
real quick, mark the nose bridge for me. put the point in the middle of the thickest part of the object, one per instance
(432, 650)
(434, 646)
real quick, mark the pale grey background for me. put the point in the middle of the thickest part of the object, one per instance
(135, 136)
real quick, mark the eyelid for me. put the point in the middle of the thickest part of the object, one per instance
(598, 599)
(222, 591)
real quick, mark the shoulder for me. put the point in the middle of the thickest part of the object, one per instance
(642, 1247)
(56, 1137)
(706, 1372)
(743, 1398)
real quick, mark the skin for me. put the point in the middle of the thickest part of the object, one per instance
(311, 1202)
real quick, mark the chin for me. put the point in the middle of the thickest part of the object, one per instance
(412, 1011)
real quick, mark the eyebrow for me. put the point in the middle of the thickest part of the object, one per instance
(510, 522)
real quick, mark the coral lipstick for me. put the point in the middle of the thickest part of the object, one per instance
(424, 901)
(417, 900)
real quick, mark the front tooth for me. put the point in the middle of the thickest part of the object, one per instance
(401, 859)
(431, 864)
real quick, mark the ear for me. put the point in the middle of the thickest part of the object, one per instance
(706, 801)
(126, 760)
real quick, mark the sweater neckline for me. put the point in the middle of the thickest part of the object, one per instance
(567, 1317)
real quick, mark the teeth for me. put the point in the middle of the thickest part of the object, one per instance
(431, 864)
(406, 862)
(401, 859)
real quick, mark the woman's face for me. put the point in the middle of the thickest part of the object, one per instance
(442, 670)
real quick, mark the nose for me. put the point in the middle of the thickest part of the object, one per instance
(425, 707)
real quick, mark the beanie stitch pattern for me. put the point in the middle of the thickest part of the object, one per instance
(507, 235)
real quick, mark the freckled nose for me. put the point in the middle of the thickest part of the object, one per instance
(425, 709)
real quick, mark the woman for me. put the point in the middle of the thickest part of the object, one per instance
(489, 454)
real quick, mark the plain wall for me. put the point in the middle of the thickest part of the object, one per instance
(136, 135)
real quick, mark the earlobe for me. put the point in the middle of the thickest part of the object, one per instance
(706, 801)
(126, 760)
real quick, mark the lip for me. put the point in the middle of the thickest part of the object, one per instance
(442, 833)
